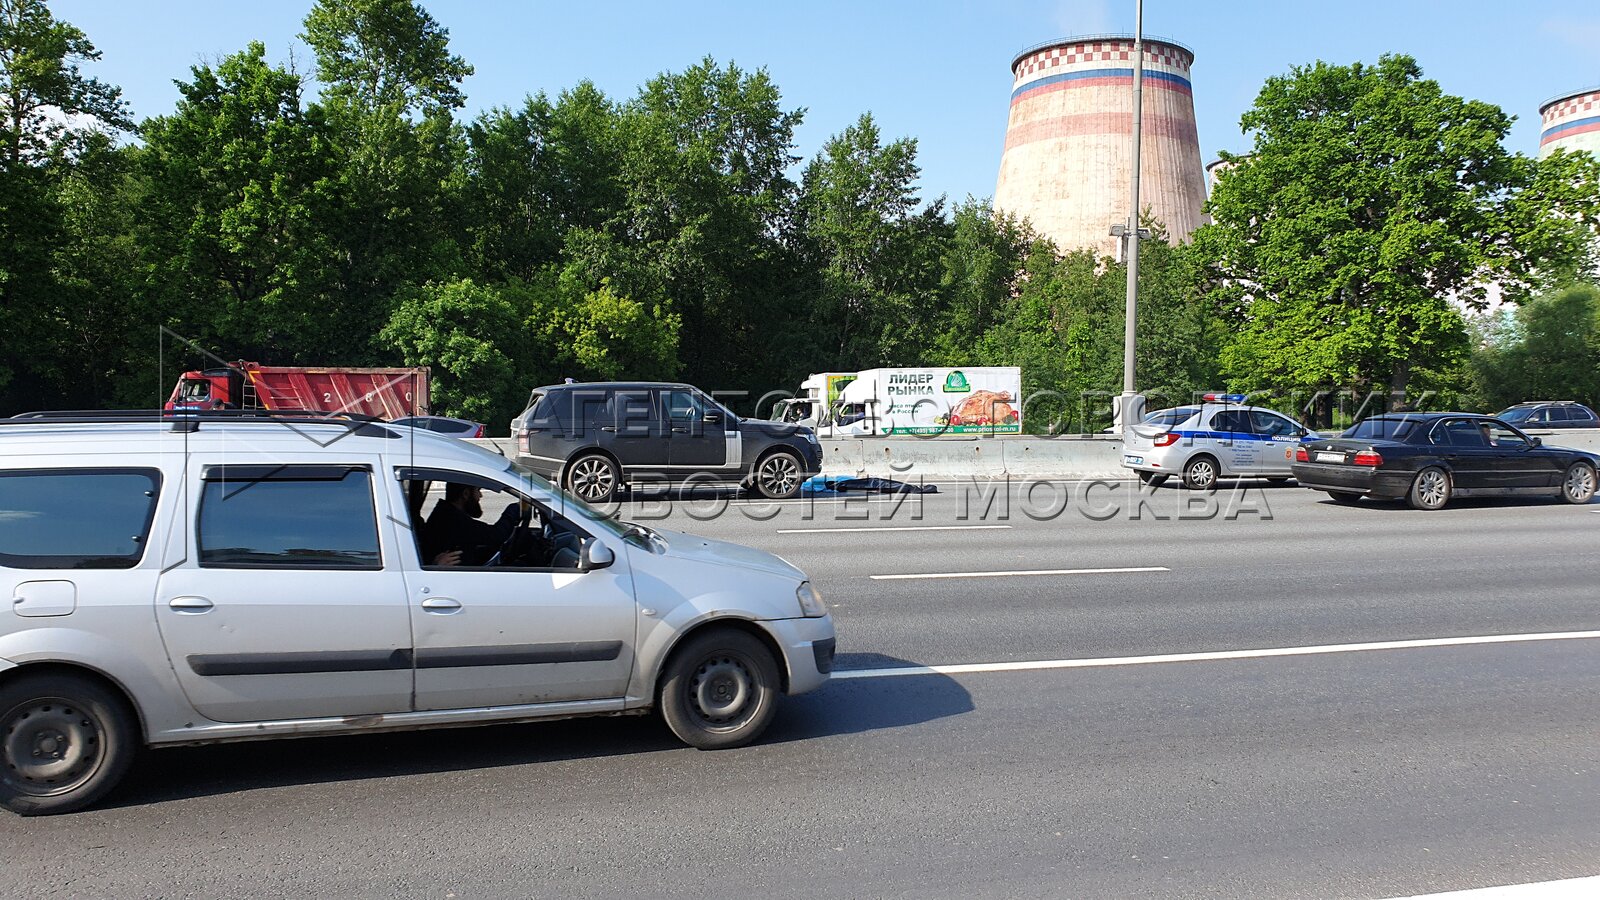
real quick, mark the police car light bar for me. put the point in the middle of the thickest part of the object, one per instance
(1223, 398)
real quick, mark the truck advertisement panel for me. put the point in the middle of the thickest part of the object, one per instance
(932, 401)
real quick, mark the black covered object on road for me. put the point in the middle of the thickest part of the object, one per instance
(595, 438)
(1429, 458)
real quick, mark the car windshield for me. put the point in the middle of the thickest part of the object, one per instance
(1378, 429)
(1169, 417)
(1516, 414)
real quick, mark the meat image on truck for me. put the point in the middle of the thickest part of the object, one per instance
(931, 401)
(384, 393)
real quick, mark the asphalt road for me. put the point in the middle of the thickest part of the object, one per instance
(1378, 772)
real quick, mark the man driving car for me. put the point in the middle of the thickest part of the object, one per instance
(454, 534)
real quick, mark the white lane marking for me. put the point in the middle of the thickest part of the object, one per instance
(1565, 889)
(1213, 656)
(890, 528)
(1023, 572)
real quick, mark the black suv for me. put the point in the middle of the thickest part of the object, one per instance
(594, 437)
(1550, 414)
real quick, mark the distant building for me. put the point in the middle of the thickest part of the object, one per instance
(1068, 161)
(1571, 122)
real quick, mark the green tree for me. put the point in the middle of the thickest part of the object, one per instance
(50, 113)
(878, 254)
(1550, 352)
(705, 156)
(534, 174)
(389, 89)
(241, 182)
(602, 336)
(473, 338)
(981, 267)
(1063, 325)
(1369, 200)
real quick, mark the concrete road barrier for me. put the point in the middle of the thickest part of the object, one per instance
(1068, 456)
(909, 459)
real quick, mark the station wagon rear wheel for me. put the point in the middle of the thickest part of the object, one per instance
(64, 742)
(593, 478)
(1200, 474)
(719, 690)
(778, 476)
(1431, 490)
(1579, 484)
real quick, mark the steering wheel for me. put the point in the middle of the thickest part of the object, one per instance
(506, 546)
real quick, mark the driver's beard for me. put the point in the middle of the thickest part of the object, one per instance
(474, 507)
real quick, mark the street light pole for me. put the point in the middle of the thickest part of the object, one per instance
(1127, 414)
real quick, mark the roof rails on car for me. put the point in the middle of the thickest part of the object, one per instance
(190, 419)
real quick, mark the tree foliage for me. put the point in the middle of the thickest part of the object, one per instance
(1370, 201)
(675, 233)
(1548, 350)
(51, 115)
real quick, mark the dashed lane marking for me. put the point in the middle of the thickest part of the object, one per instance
(1566, 889)
(1213, 656)
(1022, 573)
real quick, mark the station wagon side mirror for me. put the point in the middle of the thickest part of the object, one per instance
(594, 555)
(1535, 441)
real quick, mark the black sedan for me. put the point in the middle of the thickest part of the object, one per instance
(1427, 458)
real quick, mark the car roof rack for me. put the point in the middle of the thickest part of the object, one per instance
(190, 419)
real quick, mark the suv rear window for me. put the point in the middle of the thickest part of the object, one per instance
(76, 519)
(290, 517)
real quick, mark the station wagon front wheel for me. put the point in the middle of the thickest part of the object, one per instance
(1578, 485)
(719, 690)
(64, 742)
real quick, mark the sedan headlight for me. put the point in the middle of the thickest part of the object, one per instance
(811, 605)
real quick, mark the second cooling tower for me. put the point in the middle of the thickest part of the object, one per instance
(1068, 157)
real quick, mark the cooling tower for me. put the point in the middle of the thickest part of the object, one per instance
(1067, 160)
(1571, 122)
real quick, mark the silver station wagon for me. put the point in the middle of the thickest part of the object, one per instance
(195, 578)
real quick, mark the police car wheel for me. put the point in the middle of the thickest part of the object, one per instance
(1200, 474)
(1152, 479)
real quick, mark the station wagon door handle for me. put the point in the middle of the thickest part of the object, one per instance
(680, 430)
(441, 605)
(610, 428)
(189, 605)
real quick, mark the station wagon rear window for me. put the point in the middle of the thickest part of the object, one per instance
(76, 519)
(288, 517)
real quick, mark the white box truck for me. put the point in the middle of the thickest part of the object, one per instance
(927, 401)
(813, 406)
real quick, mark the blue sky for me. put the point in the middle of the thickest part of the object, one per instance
(936, 70)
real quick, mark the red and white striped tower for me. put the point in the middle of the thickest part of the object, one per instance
(1572, 122)
(1068, 158)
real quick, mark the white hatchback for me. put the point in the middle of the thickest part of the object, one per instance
(200, 578)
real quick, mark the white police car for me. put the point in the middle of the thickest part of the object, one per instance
(1218, 438)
